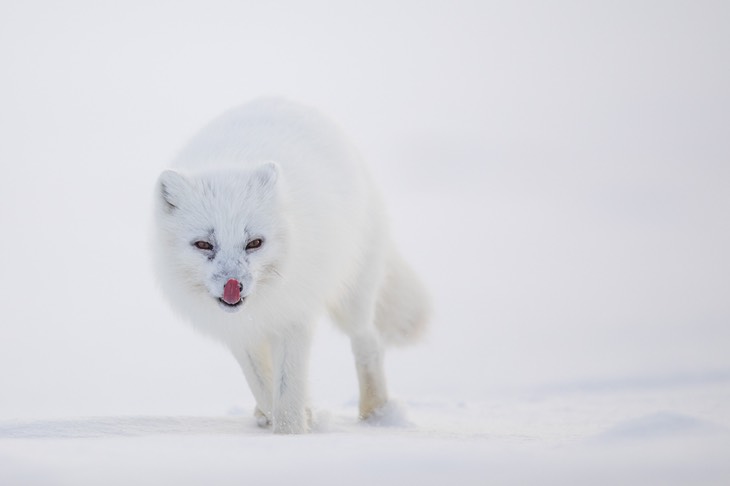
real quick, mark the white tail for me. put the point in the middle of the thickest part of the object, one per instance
(403, 308)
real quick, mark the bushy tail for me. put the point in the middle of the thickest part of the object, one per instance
(403, 307)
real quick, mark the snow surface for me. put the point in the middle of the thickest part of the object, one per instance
(548, 440)
(557, 172)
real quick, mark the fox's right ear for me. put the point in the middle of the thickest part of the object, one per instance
(171, 188)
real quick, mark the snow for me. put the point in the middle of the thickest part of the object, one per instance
(550, 440)
(557, 172)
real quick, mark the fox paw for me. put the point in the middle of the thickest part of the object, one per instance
(261, 419)
(390, 414)
(295, 423)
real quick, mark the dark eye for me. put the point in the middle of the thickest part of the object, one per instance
(254, 244)
(203, 245)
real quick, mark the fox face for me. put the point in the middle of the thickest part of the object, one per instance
(223, 236)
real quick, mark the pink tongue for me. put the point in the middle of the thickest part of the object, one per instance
(231, 292)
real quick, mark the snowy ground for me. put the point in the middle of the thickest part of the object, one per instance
(573, 438)
(556, 171)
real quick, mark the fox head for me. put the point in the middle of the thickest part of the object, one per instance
(222, 234)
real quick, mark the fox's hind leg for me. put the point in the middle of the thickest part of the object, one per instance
(368, 353)
(356, 316)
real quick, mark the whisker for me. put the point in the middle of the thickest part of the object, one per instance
(269, 269)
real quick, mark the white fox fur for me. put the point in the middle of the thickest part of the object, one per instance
(281, 176)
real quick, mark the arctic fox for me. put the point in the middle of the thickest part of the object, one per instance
(268, 220)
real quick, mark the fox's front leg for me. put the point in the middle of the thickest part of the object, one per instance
(290, 383)
(255, 361)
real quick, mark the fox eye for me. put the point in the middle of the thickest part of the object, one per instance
(254, 244)
(203, 245)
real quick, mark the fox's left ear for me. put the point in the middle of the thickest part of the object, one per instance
(171, 187)
(266, 175)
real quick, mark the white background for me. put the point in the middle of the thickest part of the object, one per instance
(558, 173)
